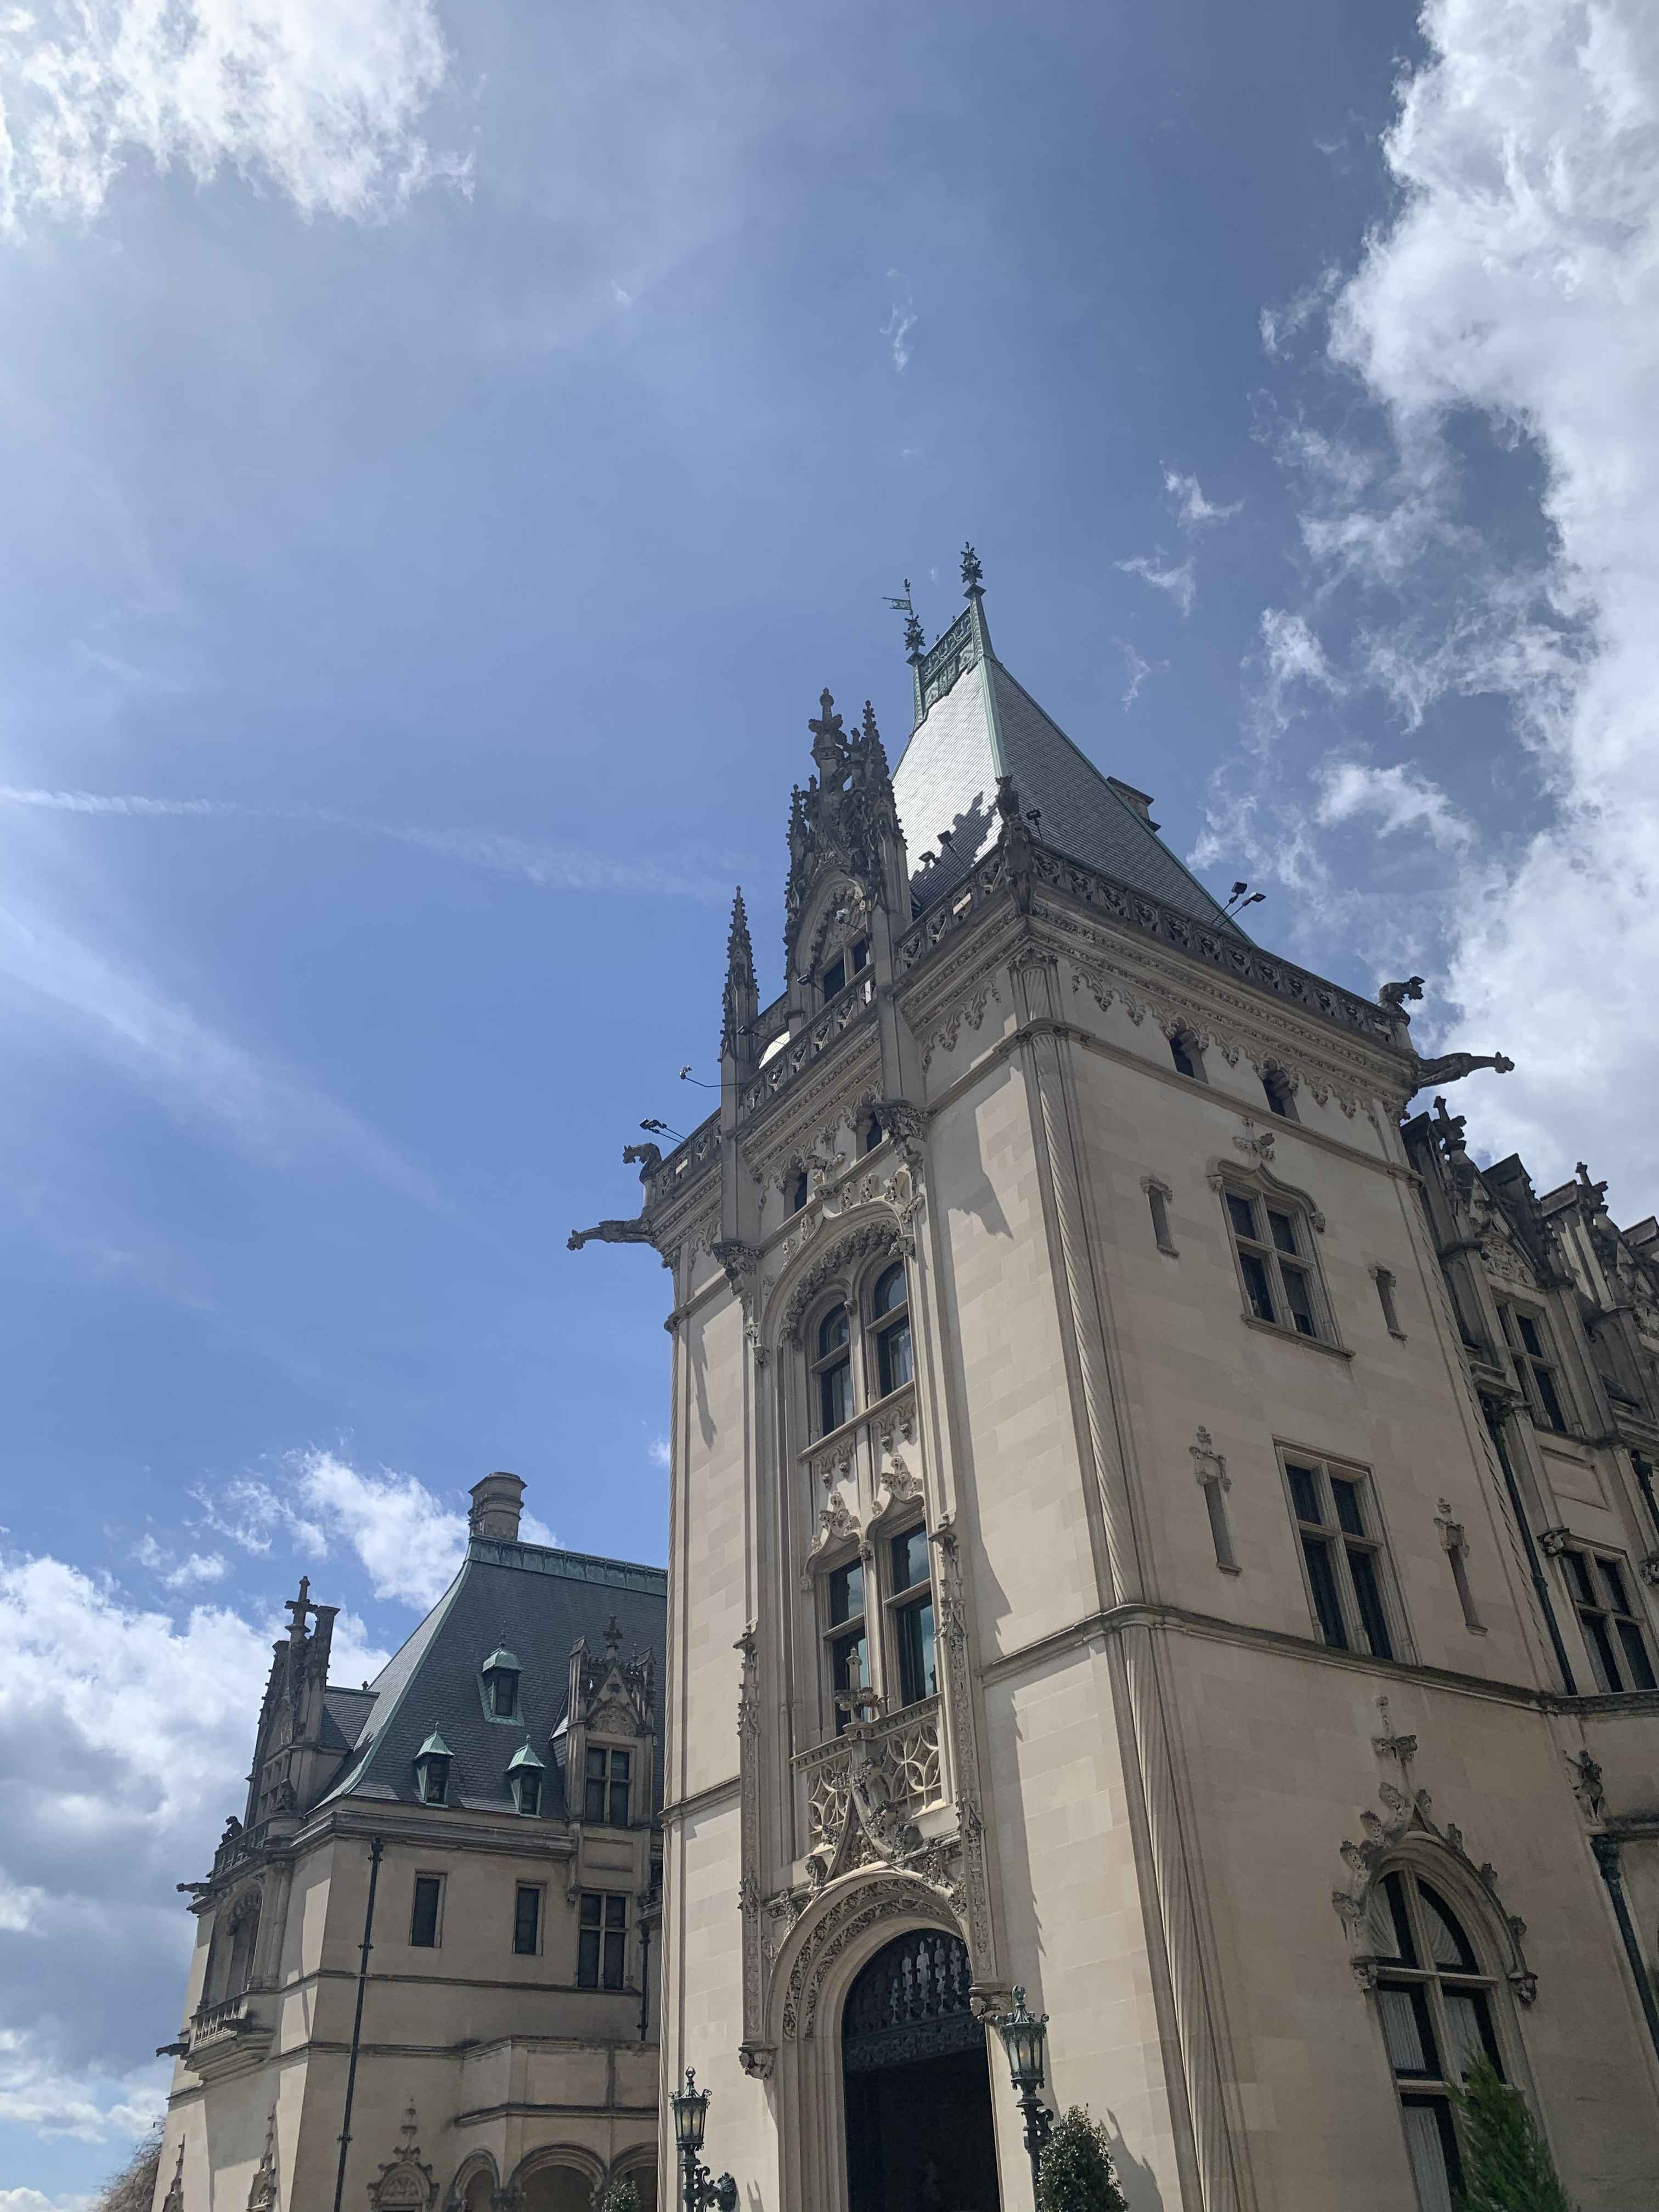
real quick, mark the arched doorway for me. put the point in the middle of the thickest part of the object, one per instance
(555, 2189)
(918, 2131)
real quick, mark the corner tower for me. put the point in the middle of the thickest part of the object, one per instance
(1067, 1417)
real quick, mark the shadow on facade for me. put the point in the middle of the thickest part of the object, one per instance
(1134, 2178)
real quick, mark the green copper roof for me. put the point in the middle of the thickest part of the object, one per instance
(523, 1757)
(501, 1657)
(434, 1747)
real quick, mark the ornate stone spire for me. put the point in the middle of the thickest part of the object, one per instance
(973, 576)
(741, 1001)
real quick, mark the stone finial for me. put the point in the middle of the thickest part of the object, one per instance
(497, 1503)
(973, 574)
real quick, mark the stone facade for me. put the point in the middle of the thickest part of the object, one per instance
(1287, 1526)
(364, 1938)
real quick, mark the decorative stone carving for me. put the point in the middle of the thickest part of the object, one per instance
(1256, 1145)
(842, 817)
(837, 1524)
(1553, 1541)
(1587, 1784)
(405, 2183)
(1453, 1067)
(175, 2199)
(1208, 1464)
(1410, 1813)
(843, 1920)
(970, 1010)
(856, 1244)
(262, 2190)
(1648, 1568)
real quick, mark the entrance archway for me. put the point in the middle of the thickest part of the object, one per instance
(920, 2136)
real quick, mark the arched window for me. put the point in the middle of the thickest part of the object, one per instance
(243, 1933)
(834, 1370)
(874, 1132)
(1281, 1092)
(1438, 2005)
(890, 1309)
(1185, 1052)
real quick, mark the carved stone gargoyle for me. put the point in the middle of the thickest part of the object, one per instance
(1453, 1067)
(649, 1159)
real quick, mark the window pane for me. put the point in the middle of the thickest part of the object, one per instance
(423, 1921)
(593, 1796)
(1405, 1947)
(616, 1911)
(1406, 2030)
(894, 1348)
(833, 1331)
(592, 1906)
(890, 1292)
(910, 1559)
(526, 1921)
(1322, 1575)
(847, 1593)
(1348, 1514)
(1284, 1231)
(917, 1674)
(530, 1793)
(1551, 1402)
(1637, 1666)
(614, 1948)
(1362, 1565)
(836, 1395)
(1470, 2026)
(1299, 1299)
(1304, 1493)
(1243, 1215)
(1181, 1055)
(1529, 1337)
(437, 1781)
(1256, 1287)
(1448, 1944)
(835, 978)
(503, 1694)
(1616, 1584)
(1578, 1576)
(1432, 2151)
(587, 1959)
(618, 1800)
(1600, 1650)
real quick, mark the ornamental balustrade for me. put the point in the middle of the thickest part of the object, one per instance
(838, 1016)
(900, 1754)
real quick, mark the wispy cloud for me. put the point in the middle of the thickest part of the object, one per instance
(193, 1069)
(1175, 578)
(1395, 799)
(321, 102)
(1192, 509)
(899, 324)
(549, 868)
(1137, 669)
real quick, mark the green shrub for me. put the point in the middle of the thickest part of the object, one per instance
(1506, 2163)
(1076, 2170)
(617, 2197)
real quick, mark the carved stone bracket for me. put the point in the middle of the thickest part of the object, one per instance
(1553, 1541)
(1648, 1568)
(1208, 1464)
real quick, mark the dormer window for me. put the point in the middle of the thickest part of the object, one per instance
(524, 1773)
(853, 961)
(432, 1762)
(501, 1681)
(608, 1780)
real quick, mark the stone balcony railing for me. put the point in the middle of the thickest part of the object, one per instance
(895, 1761)
(234, 2026)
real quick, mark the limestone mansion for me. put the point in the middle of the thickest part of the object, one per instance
(1151, 1521)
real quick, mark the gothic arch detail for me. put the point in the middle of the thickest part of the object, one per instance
(889, 1902)
(838, 1263)
(1406, 1833)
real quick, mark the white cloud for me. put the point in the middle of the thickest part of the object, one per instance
(197, 1568)
(1175, 577)
(659, 1453)
(409, 1541)
(31, 2200)
(1136, 669)
(1519, 279)
(899, 324)
(1397, 797)
(1193, 510)
(317, 98)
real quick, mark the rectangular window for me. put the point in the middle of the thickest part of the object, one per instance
(528, 1920)
(423, 1918)
(1529, 1349)
(911, 1600)
(602, 1941)
(1276, 1264)
(606, 1787)
(1613, 1629)
(1335, 1522)
(850, 1655)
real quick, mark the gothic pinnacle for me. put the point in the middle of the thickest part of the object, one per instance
(740, 951)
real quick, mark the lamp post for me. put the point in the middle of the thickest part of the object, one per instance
(1025, 2039)
(698, 2189)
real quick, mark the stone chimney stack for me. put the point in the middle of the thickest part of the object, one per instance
(497, 1501)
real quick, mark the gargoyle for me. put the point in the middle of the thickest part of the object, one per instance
(609, 1233)
(647, 1157)
(1453, 1067)
(1395, 995)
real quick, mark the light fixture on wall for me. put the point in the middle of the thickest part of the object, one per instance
(1025, 2039)
(698, 2189)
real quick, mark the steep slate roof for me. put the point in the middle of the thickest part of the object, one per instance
(986, 725)
(536, 1601)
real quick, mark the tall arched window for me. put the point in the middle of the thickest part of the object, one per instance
(834, 1369)
(890, 1309)
(1437, 2004)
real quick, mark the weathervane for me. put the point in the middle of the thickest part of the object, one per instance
(915, 638)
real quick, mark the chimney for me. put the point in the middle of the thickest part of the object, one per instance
(497, 1501)
(1138, 802)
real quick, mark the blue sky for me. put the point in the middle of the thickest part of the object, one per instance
(445, 452)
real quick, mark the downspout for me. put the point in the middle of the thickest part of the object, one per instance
(1606, 1848)
(645, 1979)
(376, 1846)
(1495, 1428)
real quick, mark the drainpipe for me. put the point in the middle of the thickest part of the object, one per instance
(645, 1979)
(1494, 1414)
(376, 1846)
(1606, 1848)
